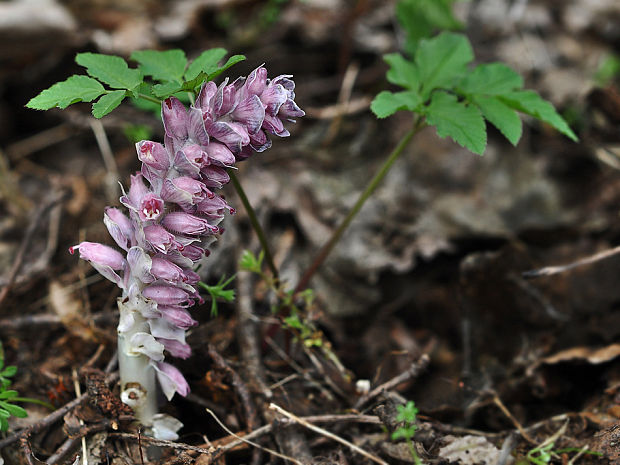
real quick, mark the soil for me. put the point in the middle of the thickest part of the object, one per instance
(429, 296)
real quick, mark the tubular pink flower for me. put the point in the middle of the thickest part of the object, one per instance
(153, 154)
(171, 380)
(99, 254)
(167, 295)
(184, 223)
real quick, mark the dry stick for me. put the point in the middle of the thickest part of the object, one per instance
(348, 81)
(163, 443)
(497, 401)
(326, 433)
(32, 227)
(414, 370)
(239, 385)
(551, 270)
(271, 451)
(266, 429)
(112, 176)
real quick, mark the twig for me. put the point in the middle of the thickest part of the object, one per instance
(497, 401)
(164, 443)
(551, 270)
(111, 177)
(242, 390)
(271, 451)
(414, 370)
(27, 450)
(247, 335)
(78, 393)
(71, 442)
(326, 433)
(44, 319)
(40, 141)
(348, 81)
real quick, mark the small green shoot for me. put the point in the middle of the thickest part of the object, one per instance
(8, 397)
(543, 454)
(220, 292)
(407, 414)
(249, 262)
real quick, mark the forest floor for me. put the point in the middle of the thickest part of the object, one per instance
(424, 298)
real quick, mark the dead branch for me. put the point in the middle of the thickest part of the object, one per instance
(414, 370)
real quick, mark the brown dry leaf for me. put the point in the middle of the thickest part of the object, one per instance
(70, 311)
(470, 450)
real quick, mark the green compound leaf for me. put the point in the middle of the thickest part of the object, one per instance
(110, 69)
(420, 18)
(14, 410)
(491, 79)
(8, 394)
(530, 103)
(164, 66)
(501, 116)
(206, 62)
(107, 103)
(62, 94)
(402, 72)
(457, 120)
(4, 424)
(442, 60)
(9, 371)
(163, 91)
(387, 103)
(233, 60)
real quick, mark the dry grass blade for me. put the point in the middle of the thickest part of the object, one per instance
(326, 433)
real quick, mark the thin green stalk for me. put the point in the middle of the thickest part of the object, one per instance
(370, 188)
(149, 98)
(30, 400)
(255, 224)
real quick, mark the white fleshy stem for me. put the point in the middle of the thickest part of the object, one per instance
(138, 385)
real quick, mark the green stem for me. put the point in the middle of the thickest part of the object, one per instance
(255, 224)
(370, 188)
(30, 400)
(149, 98)
(414, 454)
